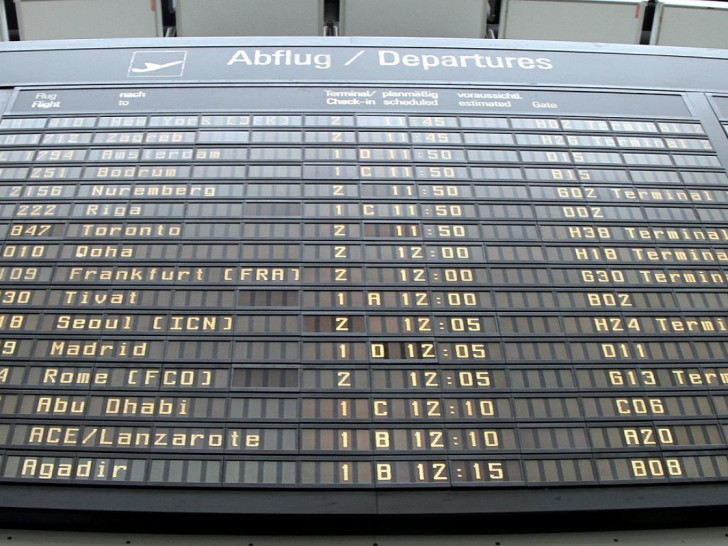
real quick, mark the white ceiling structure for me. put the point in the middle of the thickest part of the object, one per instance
(696, 23)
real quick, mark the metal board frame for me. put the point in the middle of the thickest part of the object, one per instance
(384, 510)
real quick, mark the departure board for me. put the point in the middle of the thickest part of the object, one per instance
(463, 282)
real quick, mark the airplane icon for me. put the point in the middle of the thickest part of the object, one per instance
(153, 67)
(159, 64)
